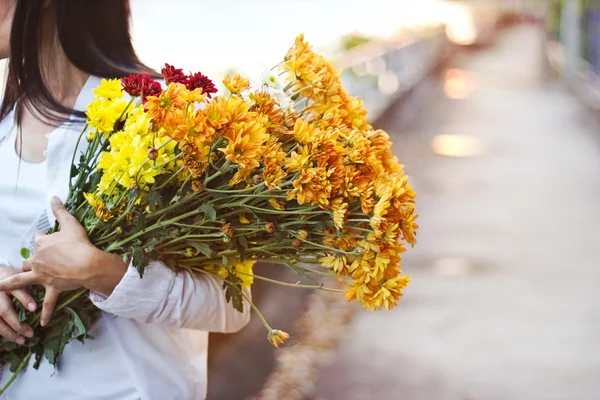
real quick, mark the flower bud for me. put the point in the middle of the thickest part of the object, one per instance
(270, 227)
(297, 243)
(190, 252)
(197, 186)
(303, 234)
(256, 179)
(119, 230)
(152, 153)
(277, 337)
(227, 230)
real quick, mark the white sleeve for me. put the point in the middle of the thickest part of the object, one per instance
(175, 299)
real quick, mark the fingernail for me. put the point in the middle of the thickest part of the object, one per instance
(31, 306)
(20, 340)
(43, 322)
(29, 333)
(56, 201)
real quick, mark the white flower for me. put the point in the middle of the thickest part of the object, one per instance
(268, 78)
(286, 104)
(284, 101)
(246, 95)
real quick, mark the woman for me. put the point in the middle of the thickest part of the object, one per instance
(151, 341)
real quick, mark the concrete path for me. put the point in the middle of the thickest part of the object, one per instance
(505, 298)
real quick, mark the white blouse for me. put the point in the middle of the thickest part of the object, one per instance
(22, 188)
(151, 340)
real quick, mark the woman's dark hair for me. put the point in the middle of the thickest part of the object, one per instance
(94, 36)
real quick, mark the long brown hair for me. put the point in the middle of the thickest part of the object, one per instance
(94, 36)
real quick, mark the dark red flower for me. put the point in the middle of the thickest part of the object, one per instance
(197, 80)
(173, 74)
(141, 86)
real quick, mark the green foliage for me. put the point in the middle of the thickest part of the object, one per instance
(233, 292)
(68, 323)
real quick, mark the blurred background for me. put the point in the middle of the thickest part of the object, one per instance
(493, 107)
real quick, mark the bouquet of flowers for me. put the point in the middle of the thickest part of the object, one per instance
(286, 171)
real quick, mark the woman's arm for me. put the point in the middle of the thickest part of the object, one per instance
(66, 260)
(175, 299)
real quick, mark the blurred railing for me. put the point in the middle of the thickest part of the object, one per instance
(380, 74)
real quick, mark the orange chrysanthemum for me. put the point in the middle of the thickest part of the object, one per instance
(236, 84)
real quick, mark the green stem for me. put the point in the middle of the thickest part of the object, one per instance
(258, 313)
(287, 284)
(36, 319)
(14, 376)
(128, 239)
(74, 154)
(173, 176)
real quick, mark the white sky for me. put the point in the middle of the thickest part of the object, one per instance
(212, 36)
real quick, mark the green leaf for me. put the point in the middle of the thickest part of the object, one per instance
(320, 226)
(139, 260)
(51, 350)
(9, 346)
(38, 357)
(14, 360)
(79, 327)
(25, 252)
(74, 171)
(141, 222)
(154, 200)
(224, 261)
(203, 248)
(133, 194)
(243, 241)
(209, 210)
(22, 314)
(94, 181)
(233, 292)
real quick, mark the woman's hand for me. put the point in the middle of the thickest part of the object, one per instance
(66, 260)
(10, 327)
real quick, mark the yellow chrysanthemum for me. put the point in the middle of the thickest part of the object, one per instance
(303, 131)
(246, 143)
(173, 99)
(337, 263)
(103, 114)
(277, 204)
(277, 337)
(340, 210)
(109, 89)
(236, 84)
(312, 186)
(126, 164)
(99, 206)
(242, 270)
(297, 160)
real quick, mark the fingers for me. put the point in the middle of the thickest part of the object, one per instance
(7, 332)
(27, 265)
(11, 319)
(60, 212)
(25, 298)
(50, 299)
(41, 267)
(19, 281)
